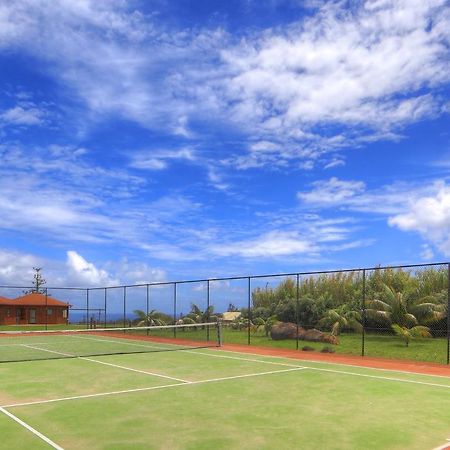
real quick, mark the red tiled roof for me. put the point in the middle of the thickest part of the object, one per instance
(5, 301)
(33, 299)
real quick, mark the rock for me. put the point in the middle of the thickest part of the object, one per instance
(288, 330)
(284, 330)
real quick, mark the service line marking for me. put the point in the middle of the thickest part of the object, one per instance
(152, 388)
(30, 428)
(109, 364)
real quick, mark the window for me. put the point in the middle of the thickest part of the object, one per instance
(49, 312)
(8, 312)
(64, 313)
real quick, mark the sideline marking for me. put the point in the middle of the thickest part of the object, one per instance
(109, 364)
(135, 370)
(193, 350)
(379, 377)
(406, 372)
(152, 388)
(30, 428)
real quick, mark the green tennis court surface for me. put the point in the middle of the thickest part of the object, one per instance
(212, 399)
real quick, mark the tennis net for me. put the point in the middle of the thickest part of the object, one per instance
(18, 346)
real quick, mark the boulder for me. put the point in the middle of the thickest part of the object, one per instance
(288, 330)
(284, 330)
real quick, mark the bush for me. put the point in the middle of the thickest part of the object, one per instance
(307, 348)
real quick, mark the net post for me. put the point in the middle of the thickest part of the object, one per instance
(297, 307)
(207, 309)
(219, 333)
(174, 309)
(147, 303)
(363, 310)
(105, 300)
(88, 319)
(448, 313)
(46, 309)
(249, 305)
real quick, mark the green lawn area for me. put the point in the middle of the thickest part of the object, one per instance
(387, 346)
(220, 400)
(376, 344)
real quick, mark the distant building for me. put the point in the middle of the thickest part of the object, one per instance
(33, 308)
(230, 316)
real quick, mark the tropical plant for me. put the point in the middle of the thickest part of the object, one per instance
(341, 318)
(405, 310)
(199, 316)
(265, 324)
(407, 334)
(153, 318)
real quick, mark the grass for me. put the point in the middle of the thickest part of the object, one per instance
(376, 344)
(386, 346)
(313, 406)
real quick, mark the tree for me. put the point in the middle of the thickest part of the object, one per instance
(199, 316)
(406, 314)
(410, 333)
(404, 310)
(38, 282)
(153, 318)
(340, 318)
(266, 324)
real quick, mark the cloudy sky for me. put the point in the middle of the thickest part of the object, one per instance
(168, 139)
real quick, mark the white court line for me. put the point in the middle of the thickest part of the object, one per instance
(378, 369)
(193, 351)
(379, 377)
(108, 364)
(30, 428)
(49, 351)
(152, 388)
(426, 383)
(135, 370)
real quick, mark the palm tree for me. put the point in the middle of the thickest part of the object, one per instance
(410, 333)
(406, 314)
(341, 317)
(266, 324)
(153, 318)
(199, 316)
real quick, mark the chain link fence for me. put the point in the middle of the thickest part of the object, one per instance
(399, 312)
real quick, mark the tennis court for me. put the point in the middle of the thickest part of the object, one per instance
(111, 389)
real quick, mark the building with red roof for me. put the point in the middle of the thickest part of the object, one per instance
(33, 308)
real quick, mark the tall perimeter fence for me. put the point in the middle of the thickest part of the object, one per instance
(400, 312)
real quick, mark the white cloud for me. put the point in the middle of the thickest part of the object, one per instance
(271, 244)
(158, 159)
(428, 215)
(427, 252)
(332, 192)
(16, 268)
(334, 162)
(370, 70)
(85, 273)
(21, 116)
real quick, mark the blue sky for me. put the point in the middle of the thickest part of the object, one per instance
(154, 140)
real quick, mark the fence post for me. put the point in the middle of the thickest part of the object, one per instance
(249, 305)
(105, 300)
(46, 309)
(174, 309)
(124, 307)
(147, 307)
(207, 309)
(87, 309)
(448, 314)
(297, 307)
(363, 334)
